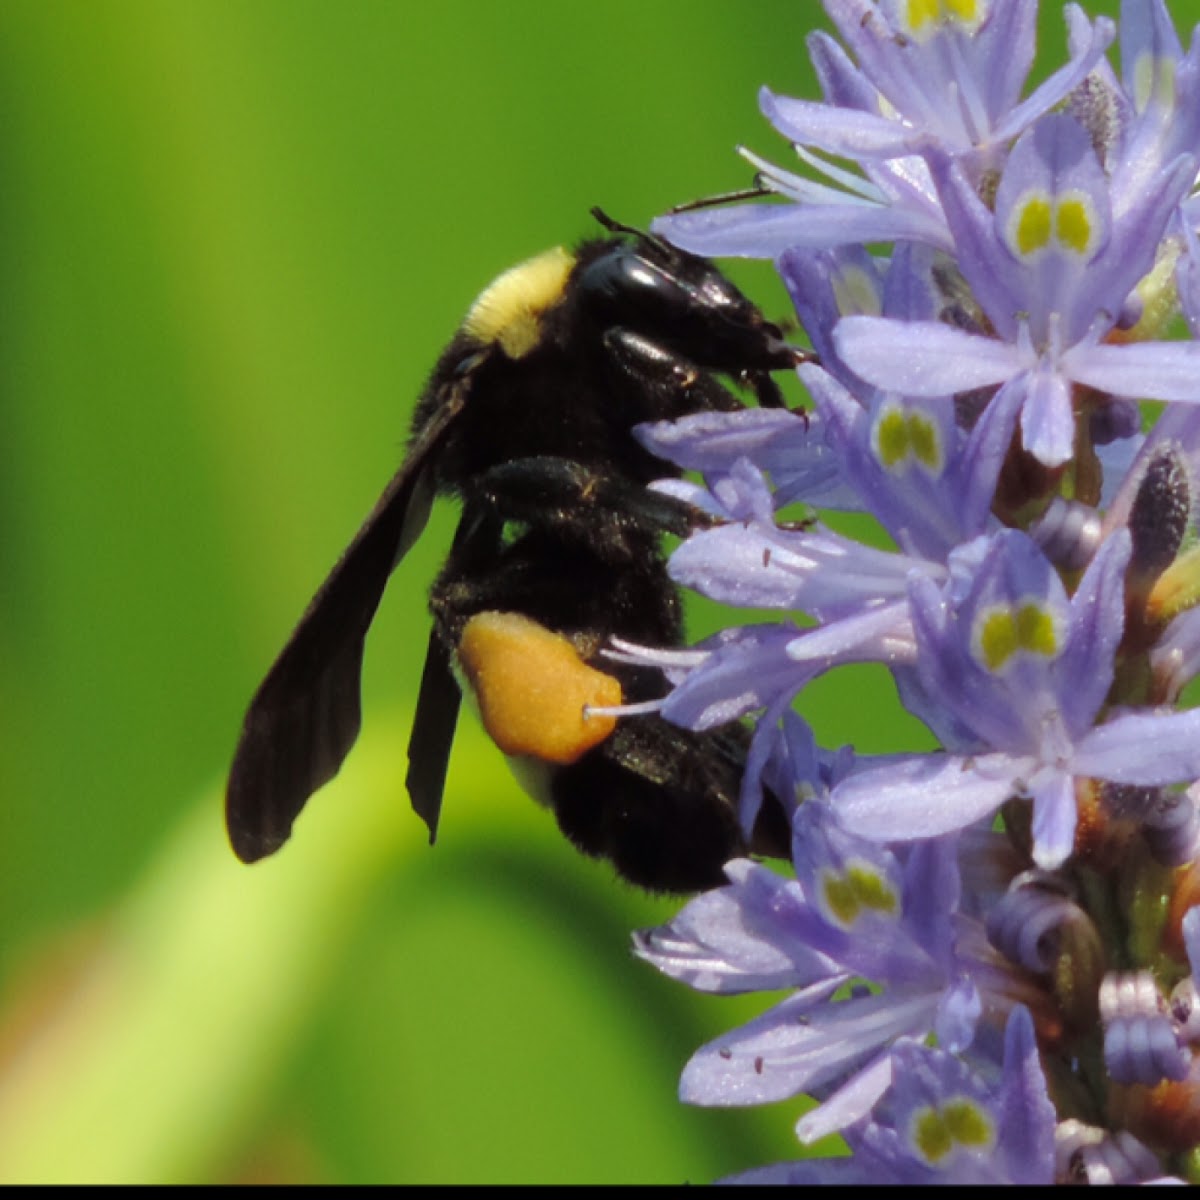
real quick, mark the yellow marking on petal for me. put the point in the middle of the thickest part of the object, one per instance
(1074, 225)
(1035, 630)
(997, 639)
(921, 13)
(855, 292)
(861, 887)
(1164, 84)
(968, 1123)
(930, 1135)
(923, 16)
(509, 311)
(1154, 81)
(1029, 226)
(966, 12)
(533, 688)
(899, 437)
(960, 1122)
(872, 889)
(1004, 633)
(890, 438)
(1143, 80)
(925, 437)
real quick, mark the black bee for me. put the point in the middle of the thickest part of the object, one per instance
(526, 418)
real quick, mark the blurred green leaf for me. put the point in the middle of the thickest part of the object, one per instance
(235, 235)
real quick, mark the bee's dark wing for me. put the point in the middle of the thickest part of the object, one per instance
(477, 543)
(432, 735)
(305, 716)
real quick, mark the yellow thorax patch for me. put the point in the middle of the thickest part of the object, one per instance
(509, 311)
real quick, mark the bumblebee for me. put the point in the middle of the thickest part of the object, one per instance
(526, 419)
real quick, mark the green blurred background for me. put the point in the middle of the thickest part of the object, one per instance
(233, 238)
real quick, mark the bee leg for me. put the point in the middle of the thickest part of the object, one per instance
(566, 497)
(678, 384)
(766, 390)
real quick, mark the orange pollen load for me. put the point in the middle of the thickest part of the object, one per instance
(532, 688)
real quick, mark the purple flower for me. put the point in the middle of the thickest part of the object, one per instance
(853, 912)
(1003, 654)
(928, 76)
(977, 502)
(945, 1122)
(1051, 268)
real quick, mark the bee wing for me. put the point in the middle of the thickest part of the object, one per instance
(306, 714)
(432, 735)
(477, 541)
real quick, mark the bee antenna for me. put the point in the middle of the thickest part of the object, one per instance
(750, 193)
(642, 235)
(615, 226)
